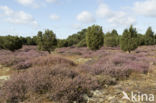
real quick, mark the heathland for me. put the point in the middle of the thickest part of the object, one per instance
(87, 67)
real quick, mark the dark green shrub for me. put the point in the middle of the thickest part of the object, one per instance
(155, 39)
(149, 37)
(129, 39)
(111, 39)
(141, 39)
(94, 37)
(46, 41)
(11, 43)
(76, 38)
(62, 43)
(1, 42)
(29, 40)
(82, 43)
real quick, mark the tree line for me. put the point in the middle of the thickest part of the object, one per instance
(91, 37)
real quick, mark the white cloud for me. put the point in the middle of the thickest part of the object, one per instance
(86, 17)
(51, 1)
(31, 3)
(114, 17)
(146, 8)
(121, 18)
(103, 11)
(54, 17)
(25, 2)
(17, 17)
(7, 11)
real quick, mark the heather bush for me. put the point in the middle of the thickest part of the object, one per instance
(85, 52)
(14, 90)
(9, 60)
(20, 59)
(105, 80)
(28, 56)
(118, 65)
(108, 69)
(61, 80)
(58, 83)
(73, 90)
(22, 65)
(51, 60)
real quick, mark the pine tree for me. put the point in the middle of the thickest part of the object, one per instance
(94, 37)
(111, 39)
(129, 40)
(40, 40)
(149, 37)
(47, 41)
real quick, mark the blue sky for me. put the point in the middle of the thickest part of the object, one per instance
(65, 17)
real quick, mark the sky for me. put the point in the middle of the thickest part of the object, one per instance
(65, 17)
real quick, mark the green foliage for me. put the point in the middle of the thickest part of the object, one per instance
(82, 43)
(29, 40)
(141, 39)
(129, 39)
(40, 40)
(1, 42)
(62, 43)
(23, 39)
(94, 37)
(10, 42)
(76, 38)
(114, 32)
(73, 39)
(46, 41)
(111, 39)
(155, 39)
(149, 37)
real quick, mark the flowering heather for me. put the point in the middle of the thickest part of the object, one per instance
(119, 64)
(85, 52)
(20, 59)
(51, 60)
(61, 80)
(57, 83)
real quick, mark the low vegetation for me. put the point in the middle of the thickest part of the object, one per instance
(44, 71)
(20, 59)
(58, 79)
